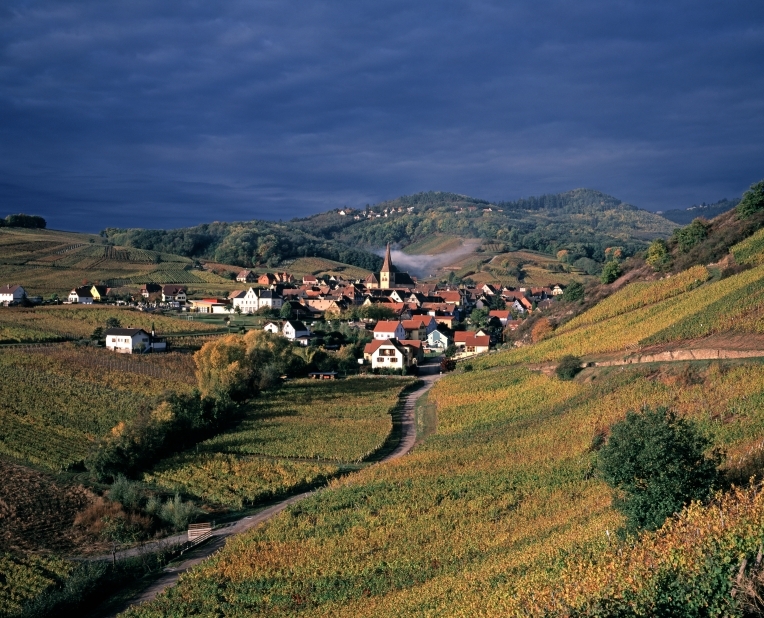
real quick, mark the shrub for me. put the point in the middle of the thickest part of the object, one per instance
(126, 492)
(691, 235)
(658, 255)
(541, 330)
(656, 463)
(178, 513)
(568, 367)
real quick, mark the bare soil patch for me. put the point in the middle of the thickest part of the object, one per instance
(37, 512)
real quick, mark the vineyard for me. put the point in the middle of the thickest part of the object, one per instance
(25, 577)
(751, 250)
(480, 518)
(77, 322)
(270, 452)
(674, 317)
(62, 400)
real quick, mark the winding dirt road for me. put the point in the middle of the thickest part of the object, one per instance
(429, 374)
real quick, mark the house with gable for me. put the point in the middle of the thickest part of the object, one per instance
(99, 292)
(295, 330)
(439, 339)
(246, 276)
(388, 329)
(419, 327)
(386, 354)
(127, 340)
(173, 293)
(11, 294)
(81, 296)
(471, 343)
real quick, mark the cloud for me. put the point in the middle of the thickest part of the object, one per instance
(425, 265)
(142, 113)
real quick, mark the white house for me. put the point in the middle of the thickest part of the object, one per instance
(471, 343)
(386, 354)
(172, 293)
(127, 340)
(439, 340)
(295, 330)
(11, 294)
(387, 329)
(252, 300)
(82, 296)
(272, 327)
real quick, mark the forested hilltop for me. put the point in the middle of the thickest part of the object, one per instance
(583, 222)
(248, 243)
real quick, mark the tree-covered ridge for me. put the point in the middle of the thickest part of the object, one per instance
(684, 216)
(244, 244)
(583, 222)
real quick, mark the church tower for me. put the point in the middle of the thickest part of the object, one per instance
(386, 275)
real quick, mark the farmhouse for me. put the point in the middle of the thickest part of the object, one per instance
(11, 294)
(127, 340)
(81, 296)
(172, 293)
(252, 300)
(99, 292)
(246, 276)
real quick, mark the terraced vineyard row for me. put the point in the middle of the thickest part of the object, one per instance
(329, 422)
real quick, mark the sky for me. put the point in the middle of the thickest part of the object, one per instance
(165, 114)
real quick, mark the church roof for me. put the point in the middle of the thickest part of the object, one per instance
(387, 267)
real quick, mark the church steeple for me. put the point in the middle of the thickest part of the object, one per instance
(386, 275)
(387, 266)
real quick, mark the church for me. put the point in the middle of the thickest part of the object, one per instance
(388, 278)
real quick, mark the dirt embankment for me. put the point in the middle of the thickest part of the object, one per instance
(37, 513)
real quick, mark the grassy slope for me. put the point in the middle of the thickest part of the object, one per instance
(53, 262)
(480, 519)
(270, 452)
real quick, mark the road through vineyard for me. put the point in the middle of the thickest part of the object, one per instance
(429, 375)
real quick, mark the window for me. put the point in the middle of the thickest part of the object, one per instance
(470, 348)
(394, 359)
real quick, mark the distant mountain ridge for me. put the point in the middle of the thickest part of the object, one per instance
(584, 222)
(683, 216)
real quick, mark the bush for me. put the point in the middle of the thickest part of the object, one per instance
(128, 493)
(658, 255)
(568, 368)
(656, 463)
(691, 235)
(178, 513)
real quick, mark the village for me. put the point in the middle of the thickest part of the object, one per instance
(404, 321)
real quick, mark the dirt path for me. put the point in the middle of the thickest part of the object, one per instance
(429, 374)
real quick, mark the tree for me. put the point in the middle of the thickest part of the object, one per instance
(479, 317)
(112, 323)
(752, 202)
(656, 463)
(657, 254)
(689, 236)
(574, 292)
(610, 272)
(286, 311)
(541, 330)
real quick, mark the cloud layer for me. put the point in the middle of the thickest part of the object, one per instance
(139, 113)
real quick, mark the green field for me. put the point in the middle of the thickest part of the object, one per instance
(63, 399)
(296, 436)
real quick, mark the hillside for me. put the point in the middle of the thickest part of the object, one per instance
(502, 511)
(583, 222)
(684, 216)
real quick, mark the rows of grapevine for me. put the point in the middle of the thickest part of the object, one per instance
(26, 577)
(168, 276)
(482, 519)
(329, 422)
(59, 401)
(53, 323)
(750, 250)
(640, 294)
(236, 481)
(629, 330)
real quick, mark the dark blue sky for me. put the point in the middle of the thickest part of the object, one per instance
(161, 114)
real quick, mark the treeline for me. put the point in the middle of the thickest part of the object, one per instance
(583, 222)
(247, 244)
(230, 371)
(684, 216)
(22, 220)
(704, 242)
